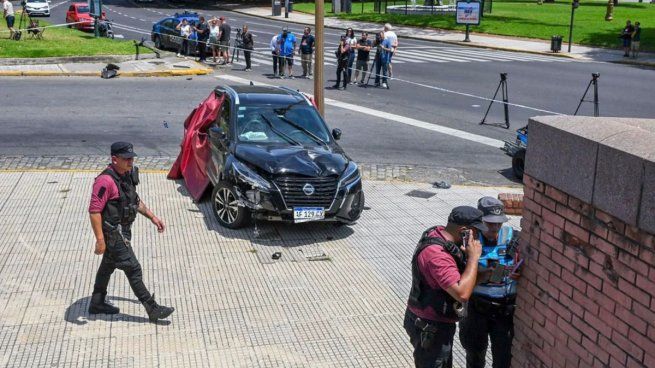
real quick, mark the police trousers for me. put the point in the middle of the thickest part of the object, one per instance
(119, 255)
(484, 321)
(440, 353)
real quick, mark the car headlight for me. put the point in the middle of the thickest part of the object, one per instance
(350, 175)
(247, 175)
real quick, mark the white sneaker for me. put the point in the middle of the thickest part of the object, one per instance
(179, 55)
(384, 85)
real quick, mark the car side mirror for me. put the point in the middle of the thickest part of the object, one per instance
(336, 133)
(217, 135)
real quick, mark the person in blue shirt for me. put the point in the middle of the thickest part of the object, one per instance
(287, 42)
(490, 311)
(382, 58)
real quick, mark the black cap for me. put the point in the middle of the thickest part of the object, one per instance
(467, 216)
(122, 149)
(285, 29)
(493, 210)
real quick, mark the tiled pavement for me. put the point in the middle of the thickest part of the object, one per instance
(334, 299)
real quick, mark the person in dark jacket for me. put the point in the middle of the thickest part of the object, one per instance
(113, 208)
(248, 46)
(342, 53)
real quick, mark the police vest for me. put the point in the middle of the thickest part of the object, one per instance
(502, 255)
(421, 294)
(122, 210)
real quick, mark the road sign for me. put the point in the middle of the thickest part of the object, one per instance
(95, 8)
(468, 12)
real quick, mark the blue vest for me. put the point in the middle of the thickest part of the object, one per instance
(497, 254)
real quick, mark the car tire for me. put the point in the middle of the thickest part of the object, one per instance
(158, 43)
(356, 209)
(228, 212)
(518, 164)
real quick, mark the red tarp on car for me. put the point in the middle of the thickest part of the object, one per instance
(191, 164)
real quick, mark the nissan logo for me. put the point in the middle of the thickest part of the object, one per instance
(308, 189)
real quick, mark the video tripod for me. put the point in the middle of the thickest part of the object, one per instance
(22, 22)
(594, 81)
(238, 45)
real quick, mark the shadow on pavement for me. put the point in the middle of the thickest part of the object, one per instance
(77, 313)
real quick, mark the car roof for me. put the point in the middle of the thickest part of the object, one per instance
(185, 14)
(80, 4)
(256, 95)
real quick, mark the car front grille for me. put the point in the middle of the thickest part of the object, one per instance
(325, 188)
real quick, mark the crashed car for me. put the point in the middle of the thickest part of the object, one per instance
(268, 155)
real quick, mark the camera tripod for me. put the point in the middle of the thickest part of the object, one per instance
(594, 81)
(502, 85)
(22, 22)
(238, 45)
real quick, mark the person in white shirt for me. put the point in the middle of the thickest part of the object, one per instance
(214, 34)
(391, 35)
(8, 11)
(277, 60)
(185, 32)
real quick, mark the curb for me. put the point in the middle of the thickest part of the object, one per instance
(157, 73)
(73, 59)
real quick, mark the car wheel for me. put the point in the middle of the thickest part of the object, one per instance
(518, 164)
(158, 43)
(227, 209)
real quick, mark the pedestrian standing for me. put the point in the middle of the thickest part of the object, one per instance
(342, 63)
(393, 38)
(307, 52)
(636, 40)
(626, 36)
(490, 310)
(248, 46)
(275, 51)
(383, 55)
(224, 40)
(8, 12)
(202, 30)
(363, 55)
(113, 208)
(287, 50)
(444, 271)
(351, 40)
(185, 32)
(214, 33)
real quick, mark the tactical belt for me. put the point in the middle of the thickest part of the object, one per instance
(490, 307)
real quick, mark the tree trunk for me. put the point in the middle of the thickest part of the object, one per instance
(610, 10)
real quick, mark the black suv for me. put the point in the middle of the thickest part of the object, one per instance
(274, 158)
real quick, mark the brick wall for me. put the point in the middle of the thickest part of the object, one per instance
(587, 294)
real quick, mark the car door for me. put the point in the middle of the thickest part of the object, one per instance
(70, 14)
(173, 37)
(219, 150)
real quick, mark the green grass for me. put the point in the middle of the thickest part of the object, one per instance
(528, 19)
(59, 41)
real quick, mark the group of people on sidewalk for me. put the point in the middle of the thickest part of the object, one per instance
(353, 49)
(465, 272)
(631, 36)
(213, 35)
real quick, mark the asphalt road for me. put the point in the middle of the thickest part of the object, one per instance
(438, 84)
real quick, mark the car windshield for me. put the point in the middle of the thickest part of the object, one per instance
(82, 9)
(275, 124)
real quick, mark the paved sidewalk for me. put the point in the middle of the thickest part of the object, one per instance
(334, 299)
(164, 67)
(455, 37)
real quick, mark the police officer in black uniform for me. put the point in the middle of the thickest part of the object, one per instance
(490, 312)
(444, 271)
(115, 197)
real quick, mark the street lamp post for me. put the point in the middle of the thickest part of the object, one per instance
(574, 5)
(318, 61)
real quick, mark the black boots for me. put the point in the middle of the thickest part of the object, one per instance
(99, 305)
(156, 311)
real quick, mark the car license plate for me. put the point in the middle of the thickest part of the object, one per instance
(305, 214)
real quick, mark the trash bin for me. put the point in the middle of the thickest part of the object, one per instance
(555, 43)
(277, 8)
(290, 6)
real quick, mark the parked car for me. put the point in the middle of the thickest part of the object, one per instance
(79, 13)
(164, 34)
(268, 155)
(37, 7)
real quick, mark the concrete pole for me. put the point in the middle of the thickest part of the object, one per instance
(318, 62)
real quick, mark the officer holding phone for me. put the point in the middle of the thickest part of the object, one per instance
(444, 270)
(490, 311)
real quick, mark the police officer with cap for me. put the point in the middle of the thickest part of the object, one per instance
(490, 311)
(113, 208)
(444, 270)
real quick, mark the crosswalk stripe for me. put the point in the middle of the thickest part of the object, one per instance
(491, 56)
(434, 57)
(475, 56)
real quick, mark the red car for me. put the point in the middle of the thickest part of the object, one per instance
(79, 12)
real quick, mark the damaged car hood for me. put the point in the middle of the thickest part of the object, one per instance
(308, 161)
